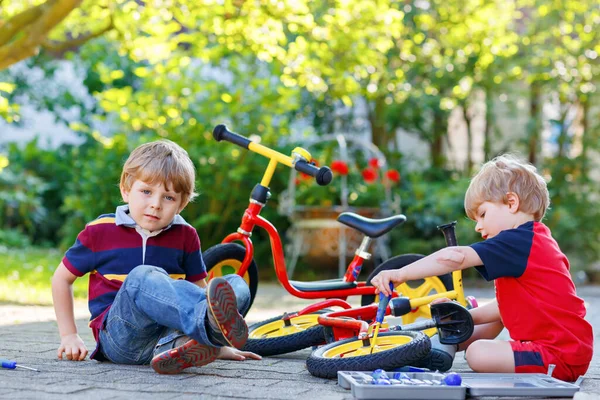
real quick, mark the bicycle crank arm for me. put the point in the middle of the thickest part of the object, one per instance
(453, 322)
(415, 326)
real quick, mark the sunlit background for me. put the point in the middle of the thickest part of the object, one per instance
(434, 88)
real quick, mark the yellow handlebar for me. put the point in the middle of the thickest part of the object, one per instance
(299, 160)
(279, 157)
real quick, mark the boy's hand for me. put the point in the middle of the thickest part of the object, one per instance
(382, 280)
(231, 353)
(73, 347)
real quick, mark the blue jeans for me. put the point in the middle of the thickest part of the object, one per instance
(151, 307)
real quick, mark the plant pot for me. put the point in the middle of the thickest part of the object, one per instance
(320, 237)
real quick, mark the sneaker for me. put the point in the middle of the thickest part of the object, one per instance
(440, 358)
(225, 325)
(180, 353)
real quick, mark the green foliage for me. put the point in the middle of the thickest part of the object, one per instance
(428, 204)
(26, 273)
(21, 201)
(178, 71)
(574, 214)
(94, 187)
(14, 238)
(53, 170)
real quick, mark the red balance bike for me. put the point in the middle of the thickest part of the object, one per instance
(351, 335)
(229, 257)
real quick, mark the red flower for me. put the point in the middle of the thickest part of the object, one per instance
(369, 175)
(374, 163)
(393, 175)
(340, 167)
(305, 177)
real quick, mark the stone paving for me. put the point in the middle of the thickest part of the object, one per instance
(34, 344)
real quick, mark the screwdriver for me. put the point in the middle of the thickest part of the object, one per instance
(13, 364)
(381, 308)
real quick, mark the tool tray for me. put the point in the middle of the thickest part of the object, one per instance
(473, 384)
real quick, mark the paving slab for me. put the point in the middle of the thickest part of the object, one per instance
(32, 338)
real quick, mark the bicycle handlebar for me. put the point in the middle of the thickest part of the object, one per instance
(222, 133)
(322, 175)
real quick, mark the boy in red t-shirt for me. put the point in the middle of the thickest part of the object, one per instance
(535, 296)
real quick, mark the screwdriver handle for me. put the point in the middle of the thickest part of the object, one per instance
(8, 364)
(13, 365)
(383, 303)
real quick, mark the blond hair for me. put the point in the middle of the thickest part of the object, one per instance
(161, 161)
(505, 174)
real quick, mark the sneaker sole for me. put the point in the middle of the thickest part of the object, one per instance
(223, 307)
(191, 354)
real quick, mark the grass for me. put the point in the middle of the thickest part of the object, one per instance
(25, 276)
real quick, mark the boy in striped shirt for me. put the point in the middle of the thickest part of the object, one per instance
(148, 296)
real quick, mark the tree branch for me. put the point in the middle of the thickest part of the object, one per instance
(59, 48)
(35, 33)
(9, 29)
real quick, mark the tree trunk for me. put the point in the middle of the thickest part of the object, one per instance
(489, 123)
(534, 122)
(468, 121)
(563, 136)
(379, 135)
(586, 136)
(440, 130)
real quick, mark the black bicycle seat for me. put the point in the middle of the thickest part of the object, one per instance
(373, 228)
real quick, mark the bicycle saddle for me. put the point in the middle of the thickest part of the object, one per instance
(373, 228)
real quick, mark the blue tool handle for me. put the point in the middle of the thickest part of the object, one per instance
(8, 364)
(383, 303)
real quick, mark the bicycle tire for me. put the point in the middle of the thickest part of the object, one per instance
(225, 259)
(327, 360)
(304, 332)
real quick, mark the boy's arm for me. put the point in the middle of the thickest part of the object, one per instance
(486, 313)
(62, 295)
(441, 262)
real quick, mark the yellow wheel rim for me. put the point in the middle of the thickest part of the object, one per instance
(430, 285)
(356, 348)
(278, 328)
(228, 267)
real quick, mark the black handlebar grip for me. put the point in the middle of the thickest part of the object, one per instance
(222, 133)
(449, 233)
(322, 175)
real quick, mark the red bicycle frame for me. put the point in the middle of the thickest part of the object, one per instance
(251, 219)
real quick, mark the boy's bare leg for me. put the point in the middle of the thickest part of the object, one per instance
(483, 331)
(491, 356)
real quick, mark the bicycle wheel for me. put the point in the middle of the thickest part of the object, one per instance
(226, 259)
(392, 350)
(272, 337)
(412, 289)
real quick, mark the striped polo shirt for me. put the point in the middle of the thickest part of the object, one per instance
(112, 245)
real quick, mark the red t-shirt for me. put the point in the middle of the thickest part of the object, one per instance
(535, 293)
